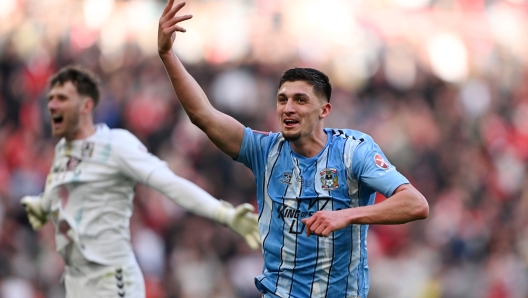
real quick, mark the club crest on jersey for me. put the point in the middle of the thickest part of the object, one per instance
(287, 178)
(329, 179)
(87, 149)
(381, 162)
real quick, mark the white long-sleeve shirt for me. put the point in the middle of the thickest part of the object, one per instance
(90, 188)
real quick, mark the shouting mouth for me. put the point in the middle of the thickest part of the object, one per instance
(289, 123)
(57, 120)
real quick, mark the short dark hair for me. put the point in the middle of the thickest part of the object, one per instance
(85, 81)
(317, 79)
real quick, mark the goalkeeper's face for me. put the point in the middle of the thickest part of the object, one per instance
(65, 105)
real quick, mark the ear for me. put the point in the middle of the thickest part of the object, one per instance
(326, 108)
(88, 105)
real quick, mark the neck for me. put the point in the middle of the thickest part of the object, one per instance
(85, 130)
(310, 147)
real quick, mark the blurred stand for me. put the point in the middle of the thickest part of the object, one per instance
(441, 85)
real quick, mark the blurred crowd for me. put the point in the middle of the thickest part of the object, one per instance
(442, 86)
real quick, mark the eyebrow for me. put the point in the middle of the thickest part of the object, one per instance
(50, 95)
(294, 95)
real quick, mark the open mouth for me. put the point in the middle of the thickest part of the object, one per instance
(290, 122)
(57, 119)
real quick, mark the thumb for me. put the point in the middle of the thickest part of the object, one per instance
(244, 208)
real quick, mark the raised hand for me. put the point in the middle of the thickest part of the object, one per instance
(168, 25)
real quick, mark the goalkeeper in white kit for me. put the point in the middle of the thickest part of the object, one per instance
(89, 192)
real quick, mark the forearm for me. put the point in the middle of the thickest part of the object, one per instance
(184, 193)
(404, 206)
(190, 94)
(223, 130)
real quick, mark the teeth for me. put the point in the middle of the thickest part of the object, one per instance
(56, 116)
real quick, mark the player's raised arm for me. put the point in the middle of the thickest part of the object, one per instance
(222, 129)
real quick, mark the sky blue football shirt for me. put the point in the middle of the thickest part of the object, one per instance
(345, 174)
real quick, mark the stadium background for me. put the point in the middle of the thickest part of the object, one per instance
(441, 85)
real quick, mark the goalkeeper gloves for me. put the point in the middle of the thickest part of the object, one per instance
(241, 220)
(36, 214)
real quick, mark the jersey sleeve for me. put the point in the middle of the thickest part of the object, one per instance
(372, 168)
(135, 162)
(252, 151)
(133, 158)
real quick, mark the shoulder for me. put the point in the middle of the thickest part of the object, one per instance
(124, 142)
(350, 134)
(118, 136)
(262, 137)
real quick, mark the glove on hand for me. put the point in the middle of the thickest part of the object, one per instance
(36, 214)
(241, 220)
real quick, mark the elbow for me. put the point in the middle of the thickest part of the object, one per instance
(195, 119)
(201, 118)
(421, 209)
(198, 121)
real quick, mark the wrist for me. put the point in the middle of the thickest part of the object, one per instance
(223, 213)
(351, 215)
(165, 54)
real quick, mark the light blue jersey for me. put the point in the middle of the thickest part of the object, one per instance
(345, 174)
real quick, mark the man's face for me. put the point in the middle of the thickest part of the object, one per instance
(299, 109)
(64, 105)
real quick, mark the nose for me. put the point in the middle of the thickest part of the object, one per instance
(52, 104)
(288, 107)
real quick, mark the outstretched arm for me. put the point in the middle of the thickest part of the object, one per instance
(225, 131)
(405, 205)
(133, 161)
(188, 195)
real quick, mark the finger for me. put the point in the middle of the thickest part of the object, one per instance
(326, 232)
(35, 223)
(308, 223)
(31, 210)
(251, 242)
(173, 29)
(174, 10)
(308, 232)
(313, 228)
(24, 201)
(248, 207)
(177, 19)
(167, 7)
(319, 230)
(310, 220)
(256, 235)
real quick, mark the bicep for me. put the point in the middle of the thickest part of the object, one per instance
(409, 191)
(225, 132)
(403, 187)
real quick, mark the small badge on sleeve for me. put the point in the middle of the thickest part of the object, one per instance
(381, 162)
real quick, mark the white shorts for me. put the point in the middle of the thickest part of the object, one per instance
(102, 281)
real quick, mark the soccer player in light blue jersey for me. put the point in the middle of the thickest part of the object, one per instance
(315, 185)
